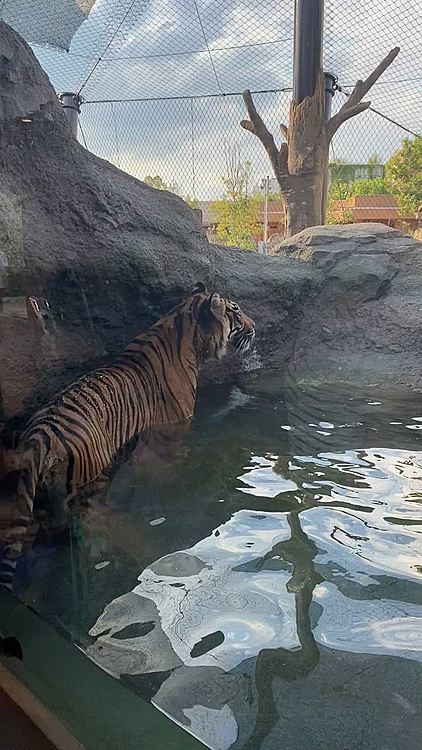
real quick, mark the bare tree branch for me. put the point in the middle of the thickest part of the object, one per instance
(284, 130)
(237, 172)
(362, 87)
(345, 113)
(248, 126)
(354, 105)
(257, 126)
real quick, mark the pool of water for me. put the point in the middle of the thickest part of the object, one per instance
(261, 583)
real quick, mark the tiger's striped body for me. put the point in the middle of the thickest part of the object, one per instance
(153, 383)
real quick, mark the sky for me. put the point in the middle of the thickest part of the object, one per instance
(181, 60)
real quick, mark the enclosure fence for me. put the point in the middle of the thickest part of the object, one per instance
(186, 140)
(162, 80)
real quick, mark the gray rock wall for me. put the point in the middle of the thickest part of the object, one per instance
(364, 326)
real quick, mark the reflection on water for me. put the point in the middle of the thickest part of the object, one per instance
(264, 589)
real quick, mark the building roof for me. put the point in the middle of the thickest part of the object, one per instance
(368, 208)
(275, 213)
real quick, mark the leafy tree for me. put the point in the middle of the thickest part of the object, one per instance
(192, 202)
(403, 174)
(236, 214)
(236, 222)
(239, 222)
(158, 183)
(371, 186)
(339, 191)
(403, 180)
(342, 216)
(372, 162)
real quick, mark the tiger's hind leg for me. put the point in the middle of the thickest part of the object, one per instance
(21, 529)
(92, 494)
(56, 487)
(87, 508)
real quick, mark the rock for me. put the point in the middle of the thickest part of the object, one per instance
(326, 245)
(364, 277)
(370, 302)
(274, 291)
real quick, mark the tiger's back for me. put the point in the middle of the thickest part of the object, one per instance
(154, 382)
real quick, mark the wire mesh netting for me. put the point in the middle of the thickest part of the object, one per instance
(162, 79)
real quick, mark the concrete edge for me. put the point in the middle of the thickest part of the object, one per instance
(39, 714)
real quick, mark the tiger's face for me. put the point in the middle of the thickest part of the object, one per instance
(222, 322)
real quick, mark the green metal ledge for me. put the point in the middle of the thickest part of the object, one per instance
(75, 703)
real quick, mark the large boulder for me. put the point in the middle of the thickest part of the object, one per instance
(108, 253)
(364, 326)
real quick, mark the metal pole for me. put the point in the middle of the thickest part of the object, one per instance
(71, 103)
(267, 190)
(330, 89)
(309, 21)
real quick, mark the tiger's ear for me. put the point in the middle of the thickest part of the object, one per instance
(217, 306)
(199, 288)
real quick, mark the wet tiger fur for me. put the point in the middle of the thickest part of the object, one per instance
(80, 432)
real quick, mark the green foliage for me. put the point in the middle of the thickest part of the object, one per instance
(339, 191)
(239, 221)
(338, 217)
(236, 221)
(192, 202)
(236, 215)
(373, 186)
(403, 180)
(158, 183)
(372, 162)
(404, 175)
(343, 190)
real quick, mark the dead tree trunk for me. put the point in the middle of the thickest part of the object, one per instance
(300, 164)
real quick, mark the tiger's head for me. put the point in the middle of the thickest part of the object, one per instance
(220, 322)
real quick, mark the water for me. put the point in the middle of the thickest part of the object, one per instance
(263, 586)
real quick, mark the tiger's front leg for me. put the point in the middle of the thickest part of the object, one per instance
(160, 447)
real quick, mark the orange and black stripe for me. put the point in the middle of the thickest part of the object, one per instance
(153, 383)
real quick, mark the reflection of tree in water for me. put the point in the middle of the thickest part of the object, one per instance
(323, 475)
(282, 663)
(246, 690)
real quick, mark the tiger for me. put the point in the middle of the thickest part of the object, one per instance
(153, 382)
